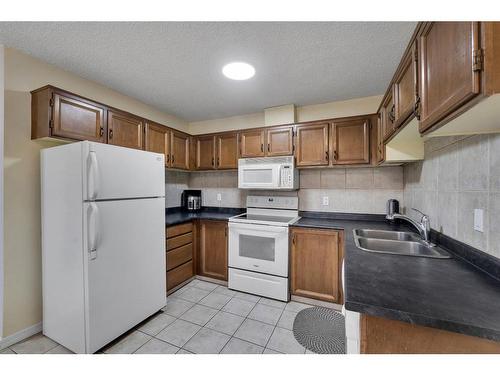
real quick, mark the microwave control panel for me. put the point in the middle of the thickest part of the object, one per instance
(286, 176)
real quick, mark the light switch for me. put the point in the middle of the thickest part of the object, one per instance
(325, 201)
(219, 197)
(478, 219)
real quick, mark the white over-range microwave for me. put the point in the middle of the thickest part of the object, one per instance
(272, 173)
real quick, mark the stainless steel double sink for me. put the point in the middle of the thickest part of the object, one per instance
(397, 243)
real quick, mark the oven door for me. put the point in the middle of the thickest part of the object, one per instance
(259, 176)
(259, 248)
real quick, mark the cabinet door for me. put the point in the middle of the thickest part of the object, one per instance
(76, 119)
(448, 76)
(315, 264)
(213, 249)
(279, 141)
(252, 143)
(179, 150)
(312, 144)
(405, 88)
(124, 130)
(227, 151)
(157, 140)
(351, 141)
(380, 138)
(388, 117)
(205, 152)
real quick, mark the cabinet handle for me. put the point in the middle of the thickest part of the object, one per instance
(225, 231)
(110, 134)
(268, 147)
(212, 162)
(262, 147)
(335, 155)
(327, 156)
(293, 239)
(173, 158)
(101, 131)
(218, 162)
(168, 158)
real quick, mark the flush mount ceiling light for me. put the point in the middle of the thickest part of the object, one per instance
(238, 71)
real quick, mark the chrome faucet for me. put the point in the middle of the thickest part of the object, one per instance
(424, 227)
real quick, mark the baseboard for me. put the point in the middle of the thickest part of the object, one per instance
(316, 302)
(20, 335)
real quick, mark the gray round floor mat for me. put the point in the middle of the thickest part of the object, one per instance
(321, 330)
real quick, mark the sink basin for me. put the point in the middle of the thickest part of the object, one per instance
(386, 234)
(398, 247)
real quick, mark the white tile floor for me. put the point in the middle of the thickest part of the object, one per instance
(201, 317)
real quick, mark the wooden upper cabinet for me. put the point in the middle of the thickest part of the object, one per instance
(59, 114)
(212, 249)
(315, 264)
(252, 143)
(380, 137)
(279, 141)
(448, 74)
(76, 119)
(205, 152)
(388, 116)
(351, 141)
(227, 151)
(179, 150)
(406, 88)
(157, 140)
(312, 144)
(125, 130)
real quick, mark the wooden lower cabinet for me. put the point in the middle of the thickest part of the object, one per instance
(384, 336)
(179, 254)
(212, 249)
(316, 259)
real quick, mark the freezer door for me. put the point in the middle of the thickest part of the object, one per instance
(113, 172)
(125, 266)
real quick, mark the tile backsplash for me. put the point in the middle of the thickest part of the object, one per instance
(459, 174)
(363, 190)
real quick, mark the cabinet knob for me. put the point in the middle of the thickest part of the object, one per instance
(173, 158)
(268, 147)
(101, 131)
(110, 133)
(262, 147)
(327, 156)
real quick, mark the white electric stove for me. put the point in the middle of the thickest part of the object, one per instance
(259, 246)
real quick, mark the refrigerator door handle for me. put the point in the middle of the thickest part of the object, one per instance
(92, 230)
(93, 176)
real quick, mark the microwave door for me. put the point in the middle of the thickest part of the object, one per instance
(259, 176)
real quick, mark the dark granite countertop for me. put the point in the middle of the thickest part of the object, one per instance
(449, 294)
(174, 216)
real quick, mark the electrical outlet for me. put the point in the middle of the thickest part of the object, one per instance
(219, 197)
(325, 201)
(478, 219)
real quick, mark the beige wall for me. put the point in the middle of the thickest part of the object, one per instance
(353, 107)
(22, 255)
(458, 175)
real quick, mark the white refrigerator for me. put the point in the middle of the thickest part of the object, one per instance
(103, 242)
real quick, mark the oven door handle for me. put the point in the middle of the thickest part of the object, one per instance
(258, 227)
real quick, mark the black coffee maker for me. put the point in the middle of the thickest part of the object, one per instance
(191, 200)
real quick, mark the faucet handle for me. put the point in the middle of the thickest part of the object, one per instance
(421, 213)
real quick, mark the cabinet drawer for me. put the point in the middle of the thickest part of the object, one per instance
(179, 275)
(178, 241)
(179, 229)
(179, 256)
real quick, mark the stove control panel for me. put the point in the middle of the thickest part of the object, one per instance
(280, 202)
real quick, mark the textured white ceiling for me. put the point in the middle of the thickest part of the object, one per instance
(176, 66)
